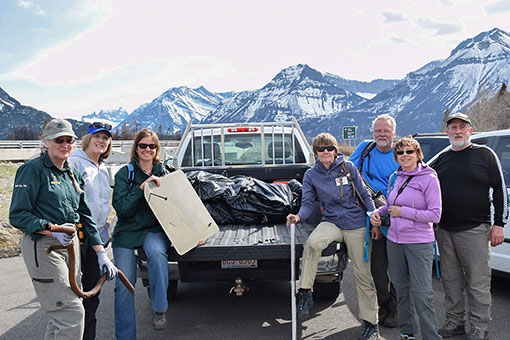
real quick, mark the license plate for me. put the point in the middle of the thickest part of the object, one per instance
(238, 264)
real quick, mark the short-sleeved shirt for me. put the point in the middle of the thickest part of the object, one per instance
(377, 166)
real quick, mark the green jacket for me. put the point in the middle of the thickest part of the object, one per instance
(135, 217)
(44, 194)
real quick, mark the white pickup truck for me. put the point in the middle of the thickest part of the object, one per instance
(239, 253)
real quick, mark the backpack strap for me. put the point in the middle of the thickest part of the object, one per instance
(347, 173)
(131, 174)
(366, 153)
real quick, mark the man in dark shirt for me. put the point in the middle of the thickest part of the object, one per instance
(466, 173)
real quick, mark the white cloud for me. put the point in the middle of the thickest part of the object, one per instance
(30, 4)
(393, 16)
(497, 7)
(25, 4)
(441, 28)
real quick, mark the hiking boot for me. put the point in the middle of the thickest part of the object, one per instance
(371, 332)
(159, 321)
(477, 334)
(407, 337)
(304, 303)
(391, 320)
(450, 329)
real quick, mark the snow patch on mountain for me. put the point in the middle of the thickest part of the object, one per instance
(297, 91)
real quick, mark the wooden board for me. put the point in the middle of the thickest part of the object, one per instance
(180, 211)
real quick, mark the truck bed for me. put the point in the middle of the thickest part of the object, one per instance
(244, 242)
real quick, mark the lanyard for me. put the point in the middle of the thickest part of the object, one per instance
(402, 188)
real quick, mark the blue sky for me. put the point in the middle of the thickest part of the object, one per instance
(71, 58)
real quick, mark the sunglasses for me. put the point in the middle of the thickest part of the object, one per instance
(99, 125)
(66, 140)
(329, 148)
(408, 152)
(144, 146)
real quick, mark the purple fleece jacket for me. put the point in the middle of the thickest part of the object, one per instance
(326, 186)
(421, 206)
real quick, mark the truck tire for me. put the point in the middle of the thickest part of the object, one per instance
(171, 291)
(326, 290)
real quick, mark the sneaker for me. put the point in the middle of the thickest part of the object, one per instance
(450, 329)
(371, 332)
(391, 320)
(407, 337)
(159, 321)
(477, 334)
(304, 303)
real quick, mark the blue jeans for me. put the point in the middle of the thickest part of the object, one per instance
(155, 247)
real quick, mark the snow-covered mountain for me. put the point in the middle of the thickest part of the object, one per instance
(419, 101)
(15, 116)
(298, 91)
(362, 88)
(175, 108)
(113, 117)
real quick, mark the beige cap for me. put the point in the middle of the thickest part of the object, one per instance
(460, 116)
(56, 128)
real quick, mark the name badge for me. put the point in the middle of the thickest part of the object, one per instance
(345, 181)
(338, 182)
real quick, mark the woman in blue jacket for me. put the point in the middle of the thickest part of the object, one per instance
(414, 203)
(343, 220)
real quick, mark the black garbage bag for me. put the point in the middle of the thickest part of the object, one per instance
(210, 186)
(220, 211)
(257, 196)
(297, 191)
(248, 217)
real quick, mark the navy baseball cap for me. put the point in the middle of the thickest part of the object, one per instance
(98, 126)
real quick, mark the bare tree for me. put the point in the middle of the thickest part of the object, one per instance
(445, 116)
(491, 113)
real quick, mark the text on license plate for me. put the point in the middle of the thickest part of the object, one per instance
(239, 264)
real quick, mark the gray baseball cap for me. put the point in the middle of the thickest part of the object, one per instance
(56, 128)
(460, 116)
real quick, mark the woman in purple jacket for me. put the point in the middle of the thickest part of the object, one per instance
(414, 203)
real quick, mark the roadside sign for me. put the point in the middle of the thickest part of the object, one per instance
(349, 132)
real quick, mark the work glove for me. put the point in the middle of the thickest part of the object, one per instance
(106, 266)
(63, 238)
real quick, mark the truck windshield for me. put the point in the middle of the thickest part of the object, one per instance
(243, 149)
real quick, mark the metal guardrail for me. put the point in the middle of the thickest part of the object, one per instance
(36, 144)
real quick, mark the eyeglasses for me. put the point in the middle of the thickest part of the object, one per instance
(62, 140)
(407, 152)
(386, 132)
(144, 146)
(322, 148)
(99, 125)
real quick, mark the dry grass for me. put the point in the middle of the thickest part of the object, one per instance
(7, 173)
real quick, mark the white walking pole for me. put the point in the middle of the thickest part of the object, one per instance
(293, 278)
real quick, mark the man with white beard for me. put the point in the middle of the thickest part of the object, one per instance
(466, 173)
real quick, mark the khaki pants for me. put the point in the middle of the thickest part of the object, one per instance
(319, 239)
(465, 269)
(49, 276)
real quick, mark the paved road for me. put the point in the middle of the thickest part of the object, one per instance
(207, 311)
